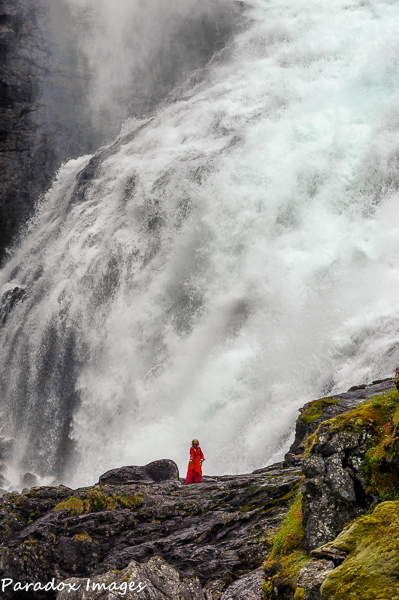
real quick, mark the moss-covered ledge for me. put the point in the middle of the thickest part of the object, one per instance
(371, 569)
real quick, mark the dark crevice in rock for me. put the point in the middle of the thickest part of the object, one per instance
(345, 460)
(361, 498)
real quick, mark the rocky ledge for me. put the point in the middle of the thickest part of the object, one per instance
(312, 527)
(214, 532)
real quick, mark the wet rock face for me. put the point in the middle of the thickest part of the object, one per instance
(335, 488)
(9, 300)
(35, 121)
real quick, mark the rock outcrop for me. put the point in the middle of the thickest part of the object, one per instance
(370, 568)
(314, 413)
(217, 531)
(208, 541)
(334, 491)
(350, 464)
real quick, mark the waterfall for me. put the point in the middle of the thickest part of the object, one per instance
(222, 262)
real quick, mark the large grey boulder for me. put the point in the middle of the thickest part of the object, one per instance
(158, 470)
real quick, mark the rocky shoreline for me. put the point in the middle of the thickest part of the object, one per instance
(223, 539)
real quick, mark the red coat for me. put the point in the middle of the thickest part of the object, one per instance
(197, 456)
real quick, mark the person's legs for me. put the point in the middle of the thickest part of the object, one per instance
(190, 476)
(193, 477)
(197, 477)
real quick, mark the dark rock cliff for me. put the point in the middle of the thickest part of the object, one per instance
(37, 127)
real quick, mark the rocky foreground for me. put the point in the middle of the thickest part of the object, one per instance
(293, 530)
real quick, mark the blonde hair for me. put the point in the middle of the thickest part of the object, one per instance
(193, 442)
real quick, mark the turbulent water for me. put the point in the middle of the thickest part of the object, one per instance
(221, 263)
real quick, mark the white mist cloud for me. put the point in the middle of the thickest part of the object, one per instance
(135, 51)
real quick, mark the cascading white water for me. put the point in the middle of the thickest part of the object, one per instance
(224, 262)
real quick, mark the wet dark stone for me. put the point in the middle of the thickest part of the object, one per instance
(28, 480)
(9, 300)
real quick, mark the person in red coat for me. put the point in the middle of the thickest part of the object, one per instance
(194, 472)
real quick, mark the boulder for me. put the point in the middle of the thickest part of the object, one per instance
(247, 587)
(28, 480)
(159, 580)
(312, 576)
(158, 470)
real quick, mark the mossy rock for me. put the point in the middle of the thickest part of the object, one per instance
(288, 554)
(370, 571)
(371, 415)
(96, 501)
(315, 409)
(75, 505)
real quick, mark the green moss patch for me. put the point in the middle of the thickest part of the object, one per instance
(96, 501)
(309, 443)
(315, 409)
(370, 571)
(288, 554)
(75, 505)
(372, 414)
